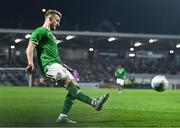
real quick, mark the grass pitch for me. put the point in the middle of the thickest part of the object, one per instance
(24, 107)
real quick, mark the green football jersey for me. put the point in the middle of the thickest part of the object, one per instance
(46, 47)
(120, 73)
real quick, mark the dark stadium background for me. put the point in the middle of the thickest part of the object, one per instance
(129, 16)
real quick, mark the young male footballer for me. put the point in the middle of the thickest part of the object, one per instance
(49, 61)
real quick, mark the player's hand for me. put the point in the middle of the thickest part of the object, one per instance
(30, 68)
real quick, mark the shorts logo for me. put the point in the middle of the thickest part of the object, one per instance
(58, 77)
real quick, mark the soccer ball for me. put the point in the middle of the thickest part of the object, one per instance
(159, 83)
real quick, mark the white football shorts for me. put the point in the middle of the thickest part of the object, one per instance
(120, 81)
(58, 72)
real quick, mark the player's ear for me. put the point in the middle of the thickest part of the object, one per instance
(50, 18)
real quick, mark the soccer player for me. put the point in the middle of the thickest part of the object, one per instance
(45, 43)
(120, 75)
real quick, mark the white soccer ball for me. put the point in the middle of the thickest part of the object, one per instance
(159, 83)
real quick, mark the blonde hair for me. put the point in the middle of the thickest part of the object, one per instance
(53, 12)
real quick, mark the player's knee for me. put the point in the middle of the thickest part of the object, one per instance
(65, 81)
(75, 83)
(71, 97)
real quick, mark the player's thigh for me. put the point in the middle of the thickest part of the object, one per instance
(58, 72)
(72, 78)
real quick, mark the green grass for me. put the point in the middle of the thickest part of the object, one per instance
(23, 106)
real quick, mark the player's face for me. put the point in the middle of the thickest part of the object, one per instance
(55, 22)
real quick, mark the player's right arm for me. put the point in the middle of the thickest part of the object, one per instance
(33, 42)
(30, 54)
(116, 73)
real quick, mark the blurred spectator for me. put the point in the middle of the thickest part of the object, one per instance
(102, 68)
(76, 75)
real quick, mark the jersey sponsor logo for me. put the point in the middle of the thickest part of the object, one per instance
(58, 77)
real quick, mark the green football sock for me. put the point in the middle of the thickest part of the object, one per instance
(76, 93)
(68, 102)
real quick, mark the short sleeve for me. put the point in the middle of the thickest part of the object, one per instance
(37, 35)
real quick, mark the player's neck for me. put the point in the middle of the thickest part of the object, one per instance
(47, 26)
